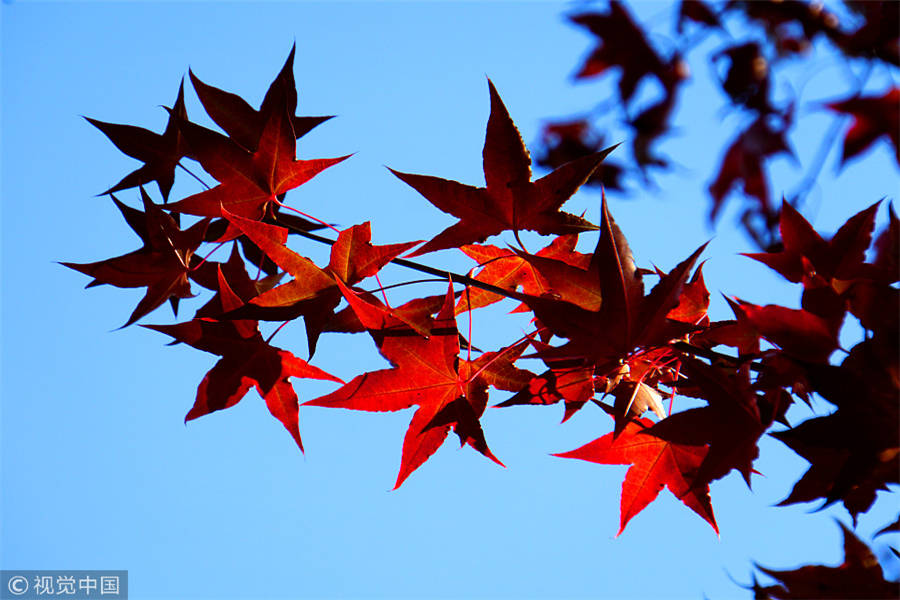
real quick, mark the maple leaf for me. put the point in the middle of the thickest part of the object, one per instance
(427, 372)
(160, 153)
(873, 290)
(859, 576)
(743, 164)
(603, 310)
(834, 273)
(162, 265)
(654, 121)
(312, 292)
(574, 386)
(219, 230)
(693, 301)
(840, 258)
(242, 122)
(506, 269)
(621, 43)
(799, 333)
(730, 425)
(249, 182)
(206, 274)
(568, 140)
(246, 361)
(873, 117)
(853, 452)
(511, 201)
(655, 464)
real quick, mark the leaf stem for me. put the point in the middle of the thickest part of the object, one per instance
(269, 339)
(396, 285)
(307, 216)
(191, 173)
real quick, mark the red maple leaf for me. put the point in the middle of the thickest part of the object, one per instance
(247, 361)
(243, 123)
(655, 464)
(574, 386)
(743, 164)
(798, 332)
(603, 310)
(840, 258)
(731, 425)
(257, 163)
(427, 372)
(249, 181)
(511, 201)
(506, 269)
(873, 117)
(162, 265)
(312, 292)
(853, 452)
(160, 153)
(834, 273)
(622, 43)
(693, 302)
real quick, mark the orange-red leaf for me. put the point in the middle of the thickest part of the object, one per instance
(655, 464)
(427, 372)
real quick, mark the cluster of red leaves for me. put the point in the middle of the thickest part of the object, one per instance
(598, 331)
(745, 66)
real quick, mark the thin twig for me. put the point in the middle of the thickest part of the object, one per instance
(191, 173)
(419, 267)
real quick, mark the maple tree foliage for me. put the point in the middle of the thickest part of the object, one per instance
(607, 330)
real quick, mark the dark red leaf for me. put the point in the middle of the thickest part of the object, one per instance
(247, 361)
(162, 265)
(242, 122)
(160, 153)
(859, 576)
(621, 43)
(510, 201)
(873, 117)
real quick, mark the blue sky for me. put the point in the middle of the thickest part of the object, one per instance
(98, 469)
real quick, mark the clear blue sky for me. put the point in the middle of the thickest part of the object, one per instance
(98, 470)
